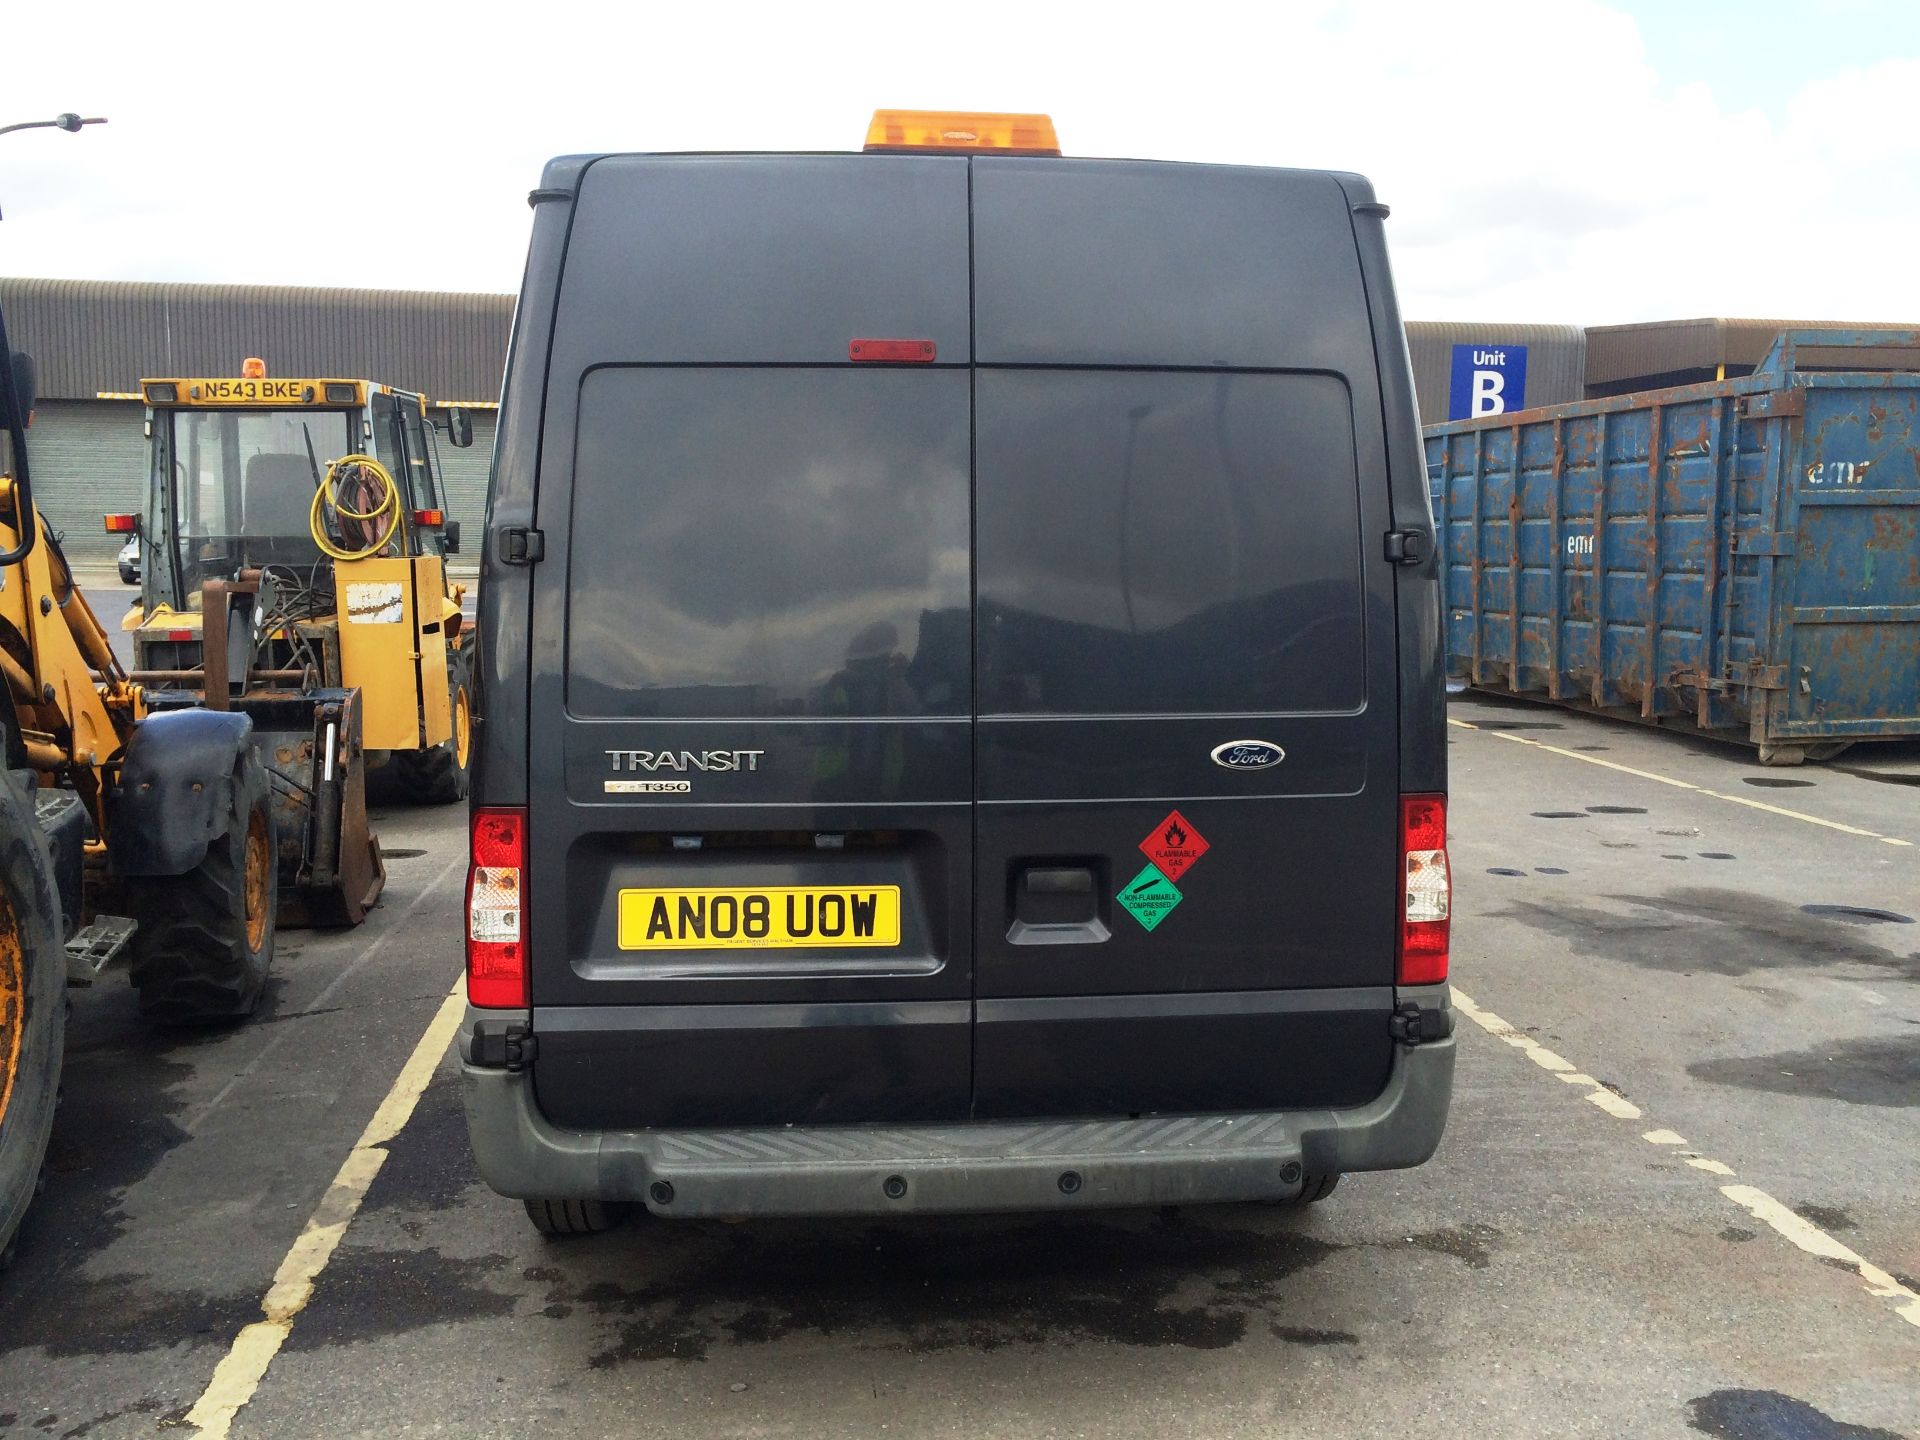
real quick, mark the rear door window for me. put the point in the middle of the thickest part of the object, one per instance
(770, 542)
(1167, 543)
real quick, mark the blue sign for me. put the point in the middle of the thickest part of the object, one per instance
(1487, 380)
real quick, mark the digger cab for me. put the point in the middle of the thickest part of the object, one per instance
(330, 492)
(234, 469)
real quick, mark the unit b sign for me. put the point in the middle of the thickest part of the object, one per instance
(1487, 380)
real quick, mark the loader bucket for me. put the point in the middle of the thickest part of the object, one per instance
(331, 872)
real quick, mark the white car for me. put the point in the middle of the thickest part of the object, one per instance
(129, 559)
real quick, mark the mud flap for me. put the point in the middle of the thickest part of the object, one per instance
(171, 801)
(331, 872)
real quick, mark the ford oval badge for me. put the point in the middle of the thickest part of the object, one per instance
(1248, 754)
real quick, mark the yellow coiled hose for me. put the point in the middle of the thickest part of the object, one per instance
(328, 497)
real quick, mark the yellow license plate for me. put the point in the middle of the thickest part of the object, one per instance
(778, 917)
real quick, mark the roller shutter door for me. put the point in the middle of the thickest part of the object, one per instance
(89, 457)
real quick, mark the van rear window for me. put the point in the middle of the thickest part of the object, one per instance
(1167, 542)
(775, 541)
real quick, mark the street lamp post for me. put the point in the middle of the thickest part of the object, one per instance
(67, 121)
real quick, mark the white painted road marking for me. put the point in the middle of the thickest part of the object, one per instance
(1815, 1241)
(1809, 1237)
(240, 1371)
(1800, 815)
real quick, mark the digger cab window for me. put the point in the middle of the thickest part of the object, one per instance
(386, 437)
(419, 479)
(402, 441)
(239, 485)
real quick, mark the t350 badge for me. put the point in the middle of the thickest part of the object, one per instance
(1248, 754)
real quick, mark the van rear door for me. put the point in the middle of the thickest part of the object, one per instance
(750, 741)
(1180, 482)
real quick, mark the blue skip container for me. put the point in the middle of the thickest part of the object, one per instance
(1741, 557)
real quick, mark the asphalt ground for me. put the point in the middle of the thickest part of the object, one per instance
(1680, 1193)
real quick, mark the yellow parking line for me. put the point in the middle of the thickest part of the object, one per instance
(241, 1370)
(1781, 810)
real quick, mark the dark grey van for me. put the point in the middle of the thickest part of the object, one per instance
(961, 713)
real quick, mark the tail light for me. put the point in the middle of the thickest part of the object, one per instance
(496, 920)
(1427, 888)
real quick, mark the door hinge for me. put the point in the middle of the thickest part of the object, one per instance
(512, 1049)
(1408, 547)
(522, 545)
(1412, 1025)
(1757, 674)
(522, 1048)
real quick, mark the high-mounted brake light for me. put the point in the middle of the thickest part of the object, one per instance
(496, 923)
(962, 133)
(899, 352)
(122, 524)
(1426, 888)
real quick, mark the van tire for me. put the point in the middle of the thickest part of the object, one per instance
(205, 942)
(557, 1218)
(440, 776)
(1313, 1189)
(34, 988)
(1316, 1188)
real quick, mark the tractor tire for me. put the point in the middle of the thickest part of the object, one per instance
(438, 776)
(33, 1005)
(559, 1218)
(205, 941)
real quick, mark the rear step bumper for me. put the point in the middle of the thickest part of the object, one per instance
(989, 1166)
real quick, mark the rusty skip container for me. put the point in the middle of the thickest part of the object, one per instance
(1741, 557)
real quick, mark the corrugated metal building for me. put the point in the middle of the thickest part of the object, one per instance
(92, 340)
(1625, 358)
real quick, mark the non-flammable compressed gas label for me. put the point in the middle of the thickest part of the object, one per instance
(1149, 897)
(1174, 845)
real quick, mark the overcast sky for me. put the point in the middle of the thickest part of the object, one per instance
(1546, 160)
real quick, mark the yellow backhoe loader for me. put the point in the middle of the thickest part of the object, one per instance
(122, 827)
(293, 563)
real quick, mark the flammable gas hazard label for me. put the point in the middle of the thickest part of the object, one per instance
(1174, 845)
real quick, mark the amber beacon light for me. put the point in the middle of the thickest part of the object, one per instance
(962, 133)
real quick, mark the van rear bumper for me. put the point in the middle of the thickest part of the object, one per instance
(985, 1166)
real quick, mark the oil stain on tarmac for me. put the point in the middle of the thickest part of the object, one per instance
(1168, 1279)
(1874, 1071)
(1769, 1415)
(1701, 930)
